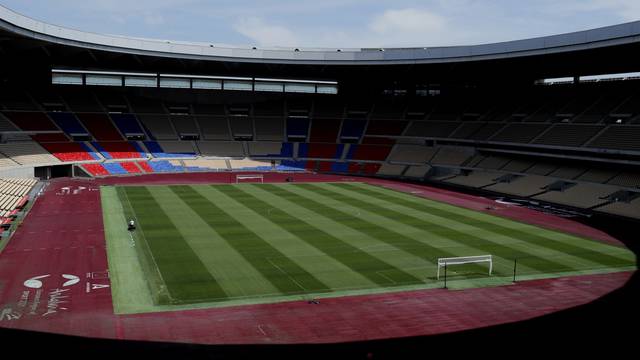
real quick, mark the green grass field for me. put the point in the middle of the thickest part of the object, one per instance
(202, 246)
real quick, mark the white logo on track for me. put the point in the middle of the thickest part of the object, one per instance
(34, 282)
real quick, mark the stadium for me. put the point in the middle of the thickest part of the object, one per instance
(173, 198)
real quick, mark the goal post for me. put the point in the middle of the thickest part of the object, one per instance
(442, 262)
(250, 178)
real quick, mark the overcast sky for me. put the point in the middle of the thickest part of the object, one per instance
(331, 23)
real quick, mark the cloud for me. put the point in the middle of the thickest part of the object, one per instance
(264, 34)
(407, 22)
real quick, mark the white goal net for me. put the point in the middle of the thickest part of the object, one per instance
(249, 178)
(442, 262)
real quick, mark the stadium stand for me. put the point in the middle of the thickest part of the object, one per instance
(95, 169)
(158, 125)
(171, 149)
(391, 170)
(492, 162)
(185, 125)
(131, 167)
(417, 171)
(14, 194)
(100, 126)
(207, 164)
(623, 137)
(352, 130)
(71, 151)
(628, 209)
(542, 168)
(31, 121)
(516, 165)
(27, 153)
(518, 133)
(214, 127)
(68, 123)
(439, 129)
(115, 168)
(411, 154)
(221, 149)
(119, 150)
(127, 124)
(297, 129)
(241, 127)
(568, 135)
(6, 125)
(580, 196)
(627, 179)
(248, 164)
(325, 130)
(528, 185)
(368, 152)
(568, 172)
(320, 151)
(269, 149)
(452, 156)
(269, 128)
(597, 175)
(475, 179)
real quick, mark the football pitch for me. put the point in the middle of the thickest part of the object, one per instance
(200, 246)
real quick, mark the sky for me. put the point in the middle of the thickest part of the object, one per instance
(331, 23)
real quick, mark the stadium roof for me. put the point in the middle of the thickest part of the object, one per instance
(589, 52)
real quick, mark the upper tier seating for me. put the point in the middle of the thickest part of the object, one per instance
(184, 125)
(31, 121)
(269, 128)
(241, 126)
(475, 179)
(214, 127)
(171, 149)
(127, 124)
(597, 175)
(568, 135)
(158, 126)
(411, 154)
(221, 148)
(6, 125)
(628, 179)
(451, 156)
(320, 151)
(352, 129)
(267, 149)
(436, 129)
(519, 133)
(100, 126)
(623, 137)
(68, 123)
(368, 152)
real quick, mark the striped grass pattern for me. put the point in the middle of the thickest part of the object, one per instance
(216, 245)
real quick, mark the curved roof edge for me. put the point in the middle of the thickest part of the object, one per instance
(581, 40)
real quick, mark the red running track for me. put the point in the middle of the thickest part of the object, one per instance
(61, 248)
